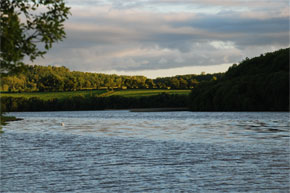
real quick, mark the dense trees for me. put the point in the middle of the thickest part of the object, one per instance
(93, 103)
(41, 78)
(28, 29)
(185, 81)
(257, 84)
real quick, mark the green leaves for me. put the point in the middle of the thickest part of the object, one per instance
(257, 84)
(29, 32)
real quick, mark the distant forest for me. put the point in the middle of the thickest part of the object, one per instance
(257, 84)
(50, 79)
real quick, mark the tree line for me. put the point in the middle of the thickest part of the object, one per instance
(257, 84)
(50, 79)
(12, 104)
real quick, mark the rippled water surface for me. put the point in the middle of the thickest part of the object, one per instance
(122, 151)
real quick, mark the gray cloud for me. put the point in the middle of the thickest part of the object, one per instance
(233, 23)
(208, 3)
(113, 35)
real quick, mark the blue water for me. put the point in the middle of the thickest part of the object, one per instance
(122, 151)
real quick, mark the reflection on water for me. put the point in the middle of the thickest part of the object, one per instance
(121, 151)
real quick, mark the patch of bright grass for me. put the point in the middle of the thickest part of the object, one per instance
(147, 92)
(102, 93)
(51, 95)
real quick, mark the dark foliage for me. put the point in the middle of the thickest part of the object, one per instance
(257, 84)
(28, 29)
(11, 104)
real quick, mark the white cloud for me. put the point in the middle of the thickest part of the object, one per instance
(132, 37)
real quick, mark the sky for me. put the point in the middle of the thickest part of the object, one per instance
(158, 38)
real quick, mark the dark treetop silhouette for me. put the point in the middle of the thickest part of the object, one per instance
(28, 29)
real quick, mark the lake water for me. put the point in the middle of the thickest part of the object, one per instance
(122, 151)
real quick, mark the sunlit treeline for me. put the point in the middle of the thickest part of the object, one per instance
(51, 78)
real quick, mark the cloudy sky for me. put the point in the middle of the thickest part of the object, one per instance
(168, 37)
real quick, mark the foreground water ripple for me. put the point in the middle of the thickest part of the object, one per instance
(121, 151)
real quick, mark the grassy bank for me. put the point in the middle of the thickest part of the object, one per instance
(162, 100)
(147, 92)
(89, 93)
(52, 95)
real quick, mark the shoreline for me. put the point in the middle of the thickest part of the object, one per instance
(162, 109)
(159, 109)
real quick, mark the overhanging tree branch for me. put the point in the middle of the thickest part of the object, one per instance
(26, 23)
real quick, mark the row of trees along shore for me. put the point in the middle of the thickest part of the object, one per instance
(164, 100)
(50, 78)
(257, 84)
(260, 83)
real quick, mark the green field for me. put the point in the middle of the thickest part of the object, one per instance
(147, 92)
(124, 93)
(51, 95)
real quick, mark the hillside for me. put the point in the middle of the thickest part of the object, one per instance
(257, 84)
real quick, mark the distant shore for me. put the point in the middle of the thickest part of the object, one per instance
(158, 109)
